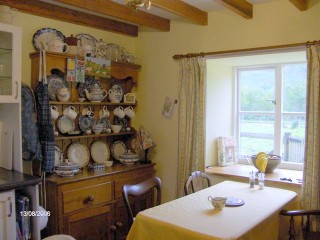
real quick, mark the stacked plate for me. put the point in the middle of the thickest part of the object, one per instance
(66, 169)
(128, 158)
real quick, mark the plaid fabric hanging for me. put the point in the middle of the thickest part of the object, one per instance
(45, 123)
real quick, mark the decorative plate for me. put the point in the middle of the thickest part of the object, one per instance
(44, 36)
(88, 84)
(55, 82)
(100, 152)
(234, 202)
(65, 125)
(85, 123)
(58, 156)
(118, 148)
(78, 153)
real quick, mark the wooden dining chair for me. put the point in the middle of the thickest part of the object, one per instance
(196, 181)
(305, 224)
(140, 189)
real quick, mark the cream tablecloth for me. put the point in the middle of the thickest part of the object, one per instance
(193, 218)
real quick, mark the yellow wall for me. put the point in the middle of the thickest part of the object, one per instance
(274, 23)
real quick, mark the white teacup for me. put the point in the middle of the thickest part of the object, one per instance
(119, 112)
(104, 113)
(58, 46)
(218, 202)
(129, 112)
(70, 112)
(54, 112)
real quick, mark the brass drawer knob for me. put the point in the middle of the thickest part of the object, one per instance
(89, 199)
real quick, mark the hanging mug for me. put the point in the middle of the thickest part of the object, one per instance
(54, 112)
(87, 111)
(104, 113)
(119, 112)
(70, 112)
(129, 112)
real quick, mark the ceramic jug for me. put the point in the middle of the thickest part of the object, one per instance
(56, 45)
(115, 94)
(73, 45)
(96, 94)
(7, 14)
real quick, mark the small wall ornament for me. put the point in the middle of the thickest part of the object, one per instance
(129, 98)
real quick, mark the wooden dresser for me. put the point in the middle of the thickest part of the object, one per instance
(90, 205)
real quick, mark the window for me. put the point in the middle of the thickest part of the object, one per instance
(271, 111)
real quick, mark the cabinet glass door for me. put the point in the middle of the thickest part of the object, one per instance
(6, 63)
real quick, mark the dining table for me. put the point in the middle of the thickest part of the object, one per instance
(193, 217)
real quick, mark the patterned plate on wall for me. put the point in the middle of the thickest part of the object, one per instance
(118, 148)
(78, 153)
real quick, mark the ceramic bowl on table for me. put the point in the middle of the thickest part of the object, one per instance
(116, 128)
(273, 162)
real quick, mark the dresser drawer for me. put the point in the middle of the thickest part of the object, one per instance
(87, 196)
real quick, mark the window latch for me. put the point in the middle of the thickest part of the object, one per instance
(274, 101)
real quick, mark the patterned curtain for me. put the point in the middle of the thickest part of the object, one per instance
(311, 183)
(191, 119)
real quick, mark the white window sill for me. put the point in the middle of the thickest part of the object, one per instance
(240, 172)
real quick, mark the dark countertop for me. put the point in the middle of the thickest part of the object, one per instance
(13, 180)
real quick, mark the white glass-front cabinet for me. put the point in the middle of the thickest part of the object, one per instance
(10, 62)
(10, 130)
(8, 217)
(10, 99)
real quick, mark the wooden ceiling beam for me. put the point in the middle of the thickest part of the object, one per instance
(241, 7)
(183, 9)
(122, 12)
(300, 4)
(48, 10)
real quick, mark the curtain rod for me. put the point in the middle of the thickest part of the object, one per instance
(202, 54)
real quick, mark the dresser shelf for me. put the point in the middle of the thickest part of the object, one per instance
(95, 135)
(92, 103)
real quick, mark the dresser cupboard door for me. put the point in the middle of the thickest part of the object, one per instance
(92, 224)
(7, 216)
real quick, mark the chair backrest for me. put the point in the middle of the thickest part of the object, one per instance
(307, 234)
(196, 182)
(140, 189)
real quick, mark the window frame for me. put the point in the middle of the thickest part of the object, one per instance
(278, 111)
